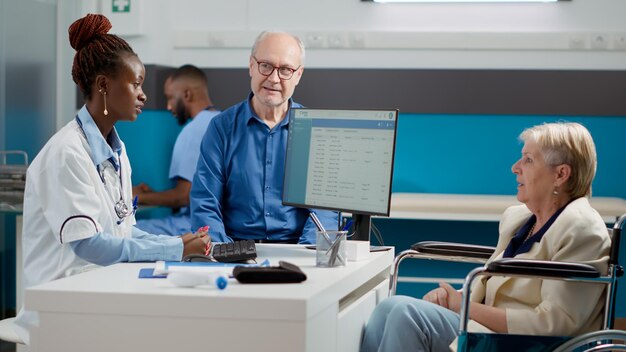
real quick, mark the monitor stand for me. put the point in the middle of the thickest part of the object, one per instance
(362, 226)
(362, 229)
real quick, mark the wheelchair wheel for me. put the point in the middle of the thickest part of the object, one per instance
(603, 340)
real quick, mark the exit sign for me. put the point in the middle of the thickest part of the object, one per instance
(120, 6)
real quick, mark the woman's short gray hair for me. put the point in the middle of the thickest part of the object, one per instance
(264, 34)
(567, 143)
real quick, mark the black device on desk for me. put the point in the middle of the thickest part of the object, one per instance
(284, 273)
(227, 252)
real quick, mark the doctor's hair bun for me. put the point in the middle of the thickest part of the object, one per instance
(97, 52)
(83, 30)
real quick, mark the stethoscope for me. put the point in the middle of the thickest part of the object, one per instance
(121, 208)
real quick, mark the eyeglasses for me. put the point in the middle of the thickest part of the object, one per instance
(284, 72)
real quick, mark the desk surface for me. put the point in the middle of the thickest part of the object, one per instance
(76, 293)
(117, 291)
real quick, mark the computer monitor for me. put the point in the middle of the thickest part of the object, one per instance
(342, 160)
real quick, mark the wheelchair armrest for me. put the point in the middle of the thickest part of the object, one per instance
(525, 268)
(435, 250)
(454, 249)
(542, 268)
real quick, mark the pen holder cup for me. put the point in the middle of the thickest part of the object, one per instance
(330, 249)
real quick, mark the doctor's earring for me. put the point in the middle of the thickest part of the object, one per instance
(106, 112)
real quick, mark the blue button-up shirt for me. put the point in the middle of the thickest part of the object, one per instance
(238, 186)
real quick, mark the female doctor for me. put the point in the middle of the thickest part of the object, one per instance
(78, 209)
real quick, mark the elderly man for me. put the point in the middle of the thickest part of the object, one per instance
(237, 189)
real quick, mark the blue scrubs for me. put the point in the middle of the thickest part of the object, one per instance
(183, 165)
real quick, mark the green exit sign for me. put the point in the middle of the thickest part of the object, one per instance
(120, 5)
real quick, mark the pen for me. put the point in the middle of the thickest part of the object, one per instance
(346, 227)
(320, 227)
(317, 222)
(334, 255)
(334, 246)
(135, 204)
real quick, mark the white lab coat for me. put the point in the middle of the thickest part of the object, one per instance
(65, 200)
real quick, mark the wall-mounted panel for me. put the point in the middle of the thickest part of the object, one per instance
(510, 92)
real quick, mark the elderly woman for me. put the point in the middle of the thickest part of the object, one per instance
(555, 222)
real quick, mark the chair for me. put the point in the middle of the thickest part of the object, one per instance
(7, 333)
(603, 340)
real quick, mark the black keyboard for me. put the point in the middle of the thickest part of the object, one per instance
(234, 251)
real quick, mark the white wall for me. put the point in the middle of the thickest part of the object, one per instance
(579, 34)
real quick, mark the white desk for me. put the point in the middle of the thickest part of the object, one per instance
(110, 309)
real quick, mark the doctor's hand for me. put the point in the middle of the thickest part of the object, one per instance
(202, 233)
(195, 245)
(191, 241)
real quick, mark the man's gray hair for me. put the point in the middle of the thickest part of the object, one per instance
(264, 34)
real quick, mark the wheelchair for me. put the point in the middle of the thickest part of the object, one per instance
(605, 339)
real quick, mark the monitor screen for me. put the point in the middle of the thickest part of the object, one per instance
(341, 160)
